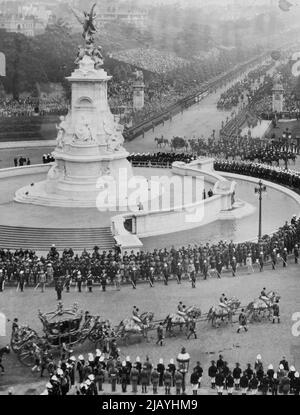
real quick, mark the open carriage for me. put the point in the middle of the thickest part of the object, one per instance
(61, 327)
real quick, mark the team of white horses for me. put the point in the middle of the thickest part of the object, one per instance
(259, 309)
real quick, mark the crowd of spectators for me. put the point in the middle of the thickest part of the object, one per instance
(164, 90)
(29, 106)
(244, 90)
(161, 159)
(151, 59)
(20, 161)
(235, 149)
(162, 263)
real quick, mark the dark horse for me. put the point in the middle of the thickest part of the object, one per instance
(3, 350)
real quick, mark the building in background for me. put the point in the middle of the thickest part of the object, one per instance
(27, 17)
(26, 25)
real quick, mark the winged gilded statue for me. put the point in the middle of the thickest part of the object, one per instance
(88, 24)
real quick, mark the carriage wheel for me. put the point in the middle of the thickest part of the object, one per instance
(26, 355)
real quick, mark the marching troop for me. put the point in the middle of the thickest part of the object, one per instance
(24, 267)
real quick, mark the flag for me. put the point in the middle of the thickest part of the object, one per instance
(2, 64)
(284, 5)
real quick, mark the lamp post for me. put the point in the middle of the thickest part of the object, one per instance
(183, 360)
(260, 190)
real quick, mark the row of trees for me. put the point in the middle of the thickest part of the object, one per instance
(49, 57)
(44, 58)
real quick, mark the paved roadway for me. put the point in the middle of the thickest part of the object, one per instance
(271, 341)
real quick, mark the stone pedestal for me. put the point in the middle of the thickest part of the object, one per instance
(89, 146)
(138, 95)
(277, 97)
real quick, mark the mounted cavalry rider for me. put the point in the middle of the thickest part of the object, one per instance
(136, 315)
(181, 311)
(134, 311)
(263, 295)
(180, 306)
(223, 301)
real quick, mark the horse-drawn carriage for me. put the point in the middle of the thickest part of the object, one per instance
(61, 328)
(179, 143)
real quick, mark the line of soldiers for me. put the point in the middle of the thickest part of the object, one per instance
(25, 268)
(88, 376)
(253, 379)
(160, 158)
(276, 174)
(245, 148)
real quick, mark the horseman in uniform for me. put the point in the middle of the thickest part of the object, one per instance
(264, 296)
(180, 306)
(136, 315)
(223, 302)
(181, 311)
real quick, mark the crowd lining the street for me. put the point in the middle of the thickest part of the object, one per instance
(151, 59)
(243, 91)
(29, 106)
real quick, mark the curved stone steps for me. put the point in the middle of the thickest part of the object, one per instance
(41, 239)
